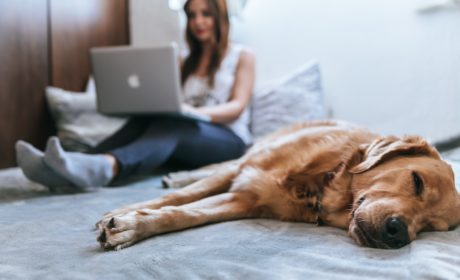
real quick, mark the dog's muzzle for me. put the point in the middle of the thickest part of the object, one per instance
(392, 234)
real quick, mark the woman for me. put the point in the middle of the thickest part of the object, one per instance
(217, 79)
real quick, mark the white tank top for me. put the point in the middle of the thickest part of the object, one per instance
(197, 92)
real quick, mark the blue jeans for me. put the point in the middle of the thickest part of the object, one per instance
(145, 143)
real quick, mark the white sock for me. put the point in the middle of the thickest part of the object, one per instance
(31, 161)
(84, 170)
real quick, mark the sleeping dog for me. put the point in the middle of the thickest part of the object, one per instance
(383, 190)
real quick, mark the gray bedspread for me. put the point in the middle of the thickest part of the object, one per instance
(47, 236)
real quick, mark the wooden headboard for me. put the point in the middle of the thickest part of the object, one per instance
(46, 42)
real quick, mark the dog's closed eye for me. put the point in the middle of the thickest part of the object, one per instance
(418, 183)
(360, 200)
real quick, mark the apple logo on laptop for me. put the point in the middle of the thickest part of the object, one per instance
(134, 81)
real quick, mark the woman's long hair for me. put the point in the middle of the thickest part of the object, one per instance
(218, 10)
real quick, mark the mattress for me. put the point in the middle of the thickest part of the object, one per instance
(45, 236)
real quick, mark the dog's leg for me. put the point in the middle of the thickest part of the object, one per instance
(177, 180)
(218, 183)
(128, 228)
(183, 178)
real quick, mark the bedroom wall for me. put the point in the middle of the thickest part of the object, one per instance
(46, 42)
(152, 22)
(23, 75)
(384, 64)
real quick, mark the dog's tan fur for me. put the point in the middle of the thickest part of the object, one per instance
(324, 172)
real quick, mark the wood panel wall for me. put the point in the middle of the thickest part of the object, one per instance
(46, 42)
(23, 75)
(78, 25)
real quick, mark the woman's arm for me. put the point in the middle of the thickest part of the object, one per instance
(241, 93)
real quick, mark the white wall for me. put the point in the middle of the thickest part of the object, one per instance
(153, 23)
(385, 65)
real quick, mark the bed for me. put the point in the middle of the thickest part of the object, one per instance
(47, 236)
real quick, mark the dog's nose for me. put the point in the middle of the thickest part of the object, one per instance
(395, 233)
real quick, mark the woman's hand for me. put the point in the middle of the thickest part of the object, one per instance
(187, 109)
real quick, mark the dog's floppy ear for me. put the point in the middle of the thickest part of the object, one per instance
(386, 147)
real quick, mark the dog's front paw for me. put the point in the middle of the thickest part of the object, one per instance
(121, 231)
(107, 217)
(125, 210)
(102, 223)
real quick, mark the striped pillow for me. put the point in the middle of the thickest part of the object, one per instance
(298, 97)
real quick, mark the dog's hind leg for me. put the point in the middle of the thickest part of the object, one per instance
(181, 179)
(128, 228)
(217, 183)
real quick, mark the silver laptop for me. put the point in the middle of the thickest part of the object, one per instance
(138, 81)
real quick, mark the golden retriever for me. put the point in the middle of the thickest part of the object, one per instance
(384, 190)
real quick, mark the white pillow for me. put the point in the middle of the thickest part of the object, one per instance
(79, 125)
(296, 98)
